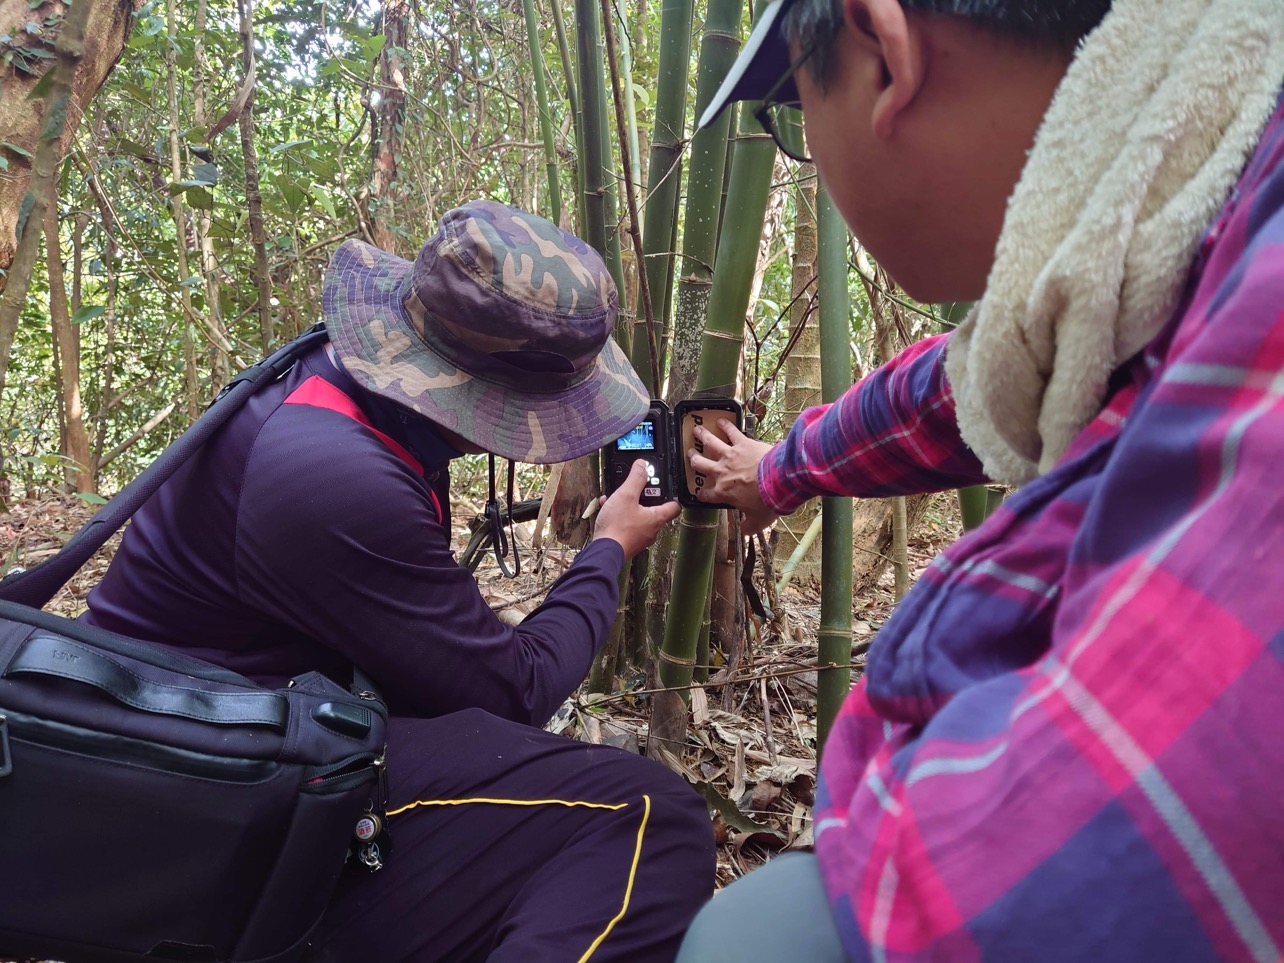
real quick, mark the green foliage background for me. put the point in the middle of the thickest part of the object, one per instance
(471, 130)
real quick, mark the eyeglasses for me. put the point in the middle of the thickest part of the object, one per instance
(784, 121)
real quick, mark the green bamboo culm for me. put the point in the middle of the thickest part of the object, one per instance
(973, 506)
(706, 167)
(750, 185)
(630, 110)
(545, 118)
(605, 128)
(835, 634)
(662, 171)
(577, 112)
(592, 106)
(975, 503)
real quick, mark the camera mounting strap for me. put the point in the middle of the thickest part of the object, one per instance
(500, 541)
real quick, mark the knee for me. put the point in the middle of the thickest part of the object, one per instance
(680, 822)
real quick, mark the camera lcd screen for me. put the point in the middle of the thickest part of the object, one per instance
(641, 438)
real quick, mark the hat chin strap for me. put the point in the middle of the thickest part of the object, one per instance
(500, 541)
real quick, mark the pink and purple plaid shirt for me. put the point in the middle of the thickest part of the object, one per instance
(1069, 741)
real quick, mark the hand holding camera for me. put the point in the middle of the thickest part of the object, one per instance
(625, 516)
(661, 441)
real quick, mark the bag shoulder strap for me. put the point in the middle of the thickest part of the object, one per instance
(37, 585)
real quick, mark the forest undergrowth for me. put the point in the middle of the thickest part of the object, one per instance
(751, 742)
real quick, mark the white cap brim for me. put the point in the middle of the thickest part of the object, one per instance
(763, 60)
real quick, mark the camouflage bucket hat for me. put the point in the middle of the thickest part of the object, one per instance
(500, 331)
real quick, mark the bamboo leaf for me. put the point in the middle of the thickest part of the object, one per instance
(731, 814)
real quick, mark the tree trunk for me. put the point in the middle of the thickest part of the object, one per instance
(106, 29)
(576, 112)
(191, 363)
(75, 439)
(699, 244)
(390, 121)
(86, 47)
(253, 193)
(578, 487)
(205, 218)
(107, 388)
(650, 373)
(726, 606)
(873, 542)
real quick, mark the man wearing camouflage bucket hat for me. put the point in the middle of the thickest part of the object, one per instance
(312, 533)
(499, 332)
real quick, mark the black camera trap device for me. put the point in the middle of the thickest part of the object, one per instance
(662, 441)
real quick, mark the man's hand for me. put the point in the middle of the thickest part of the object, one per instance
(730, 467)
(634, 526)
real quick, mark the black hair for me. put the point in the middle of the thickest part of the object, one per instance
(1057, 23)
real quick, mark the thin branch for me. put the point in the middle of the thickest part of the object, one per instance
(112, 454)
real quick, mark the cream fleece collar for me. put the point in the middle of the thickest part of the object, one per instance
(1147, 134)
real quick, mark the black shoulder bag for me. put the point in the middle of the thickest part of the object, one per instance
(156, 807)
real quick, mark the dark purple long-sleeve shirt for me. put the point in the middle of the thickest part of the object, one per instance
(296, 539)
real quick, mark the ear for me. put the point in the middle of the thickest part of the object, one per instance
(881, 27)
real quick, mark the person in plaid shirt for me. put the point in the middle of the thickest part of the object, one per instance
(1067, 743)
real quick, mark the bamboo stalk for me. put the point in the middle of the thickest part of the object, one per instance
(591, 159)
(834, 638)
(601, 218)
(577, 112)
(719, 361)
(707, 168)
(545, 117)
(666, 157)
(800, 551)
(653, 354)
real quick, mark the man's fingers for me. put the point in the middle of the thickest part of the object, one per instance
(714, 446)
(666, 513)
(733, 434)
(635, 480)
(701, 463)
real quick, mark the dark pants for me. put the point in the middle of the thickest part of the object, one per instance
(511, 844)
